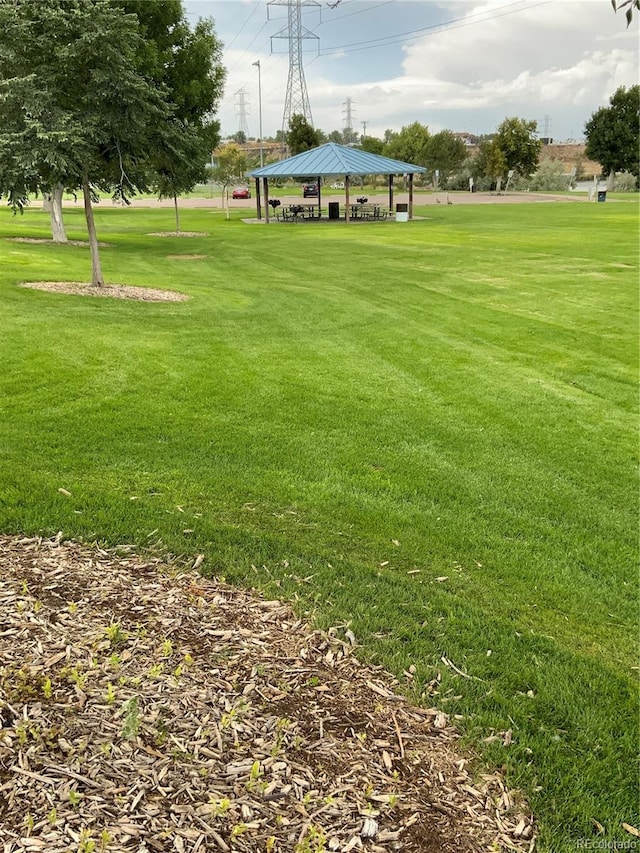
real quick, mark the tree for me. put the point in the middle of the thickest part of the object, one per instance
(517, 142)
(628, 5)
(301, 135)
(371, 144)
(230, 167)
(410, 144)
(612, 133)
(445, 152)
(186, 63)
(73, 107)
(490, 162)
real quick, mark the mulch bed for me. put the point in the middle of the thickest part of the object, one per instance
(178, 234)
(114, 291)
(50, 242)
(144, 709)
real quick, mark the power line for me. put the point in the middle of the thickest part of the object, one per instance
(240, 31)
(385, 41)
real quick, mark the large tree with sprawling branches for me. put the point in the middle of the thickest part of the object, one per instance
(74, 108)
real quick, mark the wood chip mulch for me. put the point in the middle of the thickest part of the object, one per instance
(113, 291)
(144, 709)
(186, 257)
(178, 234)
(49, 242)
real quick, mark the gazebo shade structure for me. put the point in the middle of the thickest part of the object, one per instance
(332, 160)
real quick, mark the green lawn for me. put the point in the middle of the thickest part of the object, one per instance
(427, 429)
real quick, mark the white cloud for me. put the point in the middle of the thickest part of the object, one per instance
(546, 57)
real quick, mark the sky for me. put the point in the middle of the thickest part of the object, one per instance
(463, 65)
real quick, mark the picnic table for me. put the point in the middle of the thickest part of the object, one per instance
(295, 212)
(364, 210)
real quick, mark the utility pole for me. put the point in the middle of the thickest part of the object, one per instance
(364, 129)
(297, 99)
(257, 64)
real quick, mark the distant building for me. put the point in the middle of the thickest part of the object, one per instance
(469, 139)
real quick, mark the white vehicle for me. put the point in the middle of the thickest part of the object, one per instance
(339, 185)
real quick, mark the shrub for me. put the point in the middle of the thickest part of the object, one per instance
(625, 182)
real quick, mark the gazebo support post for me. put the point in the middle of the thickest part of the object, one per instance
(319, 196)
(411, 195)
(266, 200)
(346, 198)
(258, 205)
(390, 194)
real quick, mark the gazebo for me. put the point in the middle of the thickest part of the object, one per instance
(332, 160)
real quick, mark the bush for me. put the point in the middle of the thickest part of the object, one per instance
(625, 182)
(550, 177)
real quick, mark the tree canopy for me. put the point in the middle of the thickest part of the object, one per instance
(301, 136)
(445, 152)
(186, 63)
(516, 140)
(409, 145)
(612, 133)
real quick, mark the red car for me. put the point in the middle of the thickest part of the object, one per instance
(241, 192)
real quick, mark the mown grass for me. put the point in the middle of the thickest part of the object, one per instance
(349, 415)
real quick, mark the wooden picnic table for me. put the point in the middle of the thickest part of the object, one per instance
(294, 212)
(367, 211)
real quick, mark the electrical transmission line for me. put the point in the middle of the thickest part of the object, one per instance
(297, 99)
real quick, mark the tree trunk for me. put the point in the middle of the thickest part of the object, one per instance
(611, 179)
(96, 272)
(175, 206)
(57, 223)
(46, 202)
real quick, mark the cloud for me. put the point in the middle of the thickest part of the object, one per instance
(551, 54)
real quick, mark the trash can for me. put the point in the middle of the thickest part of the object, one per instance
(402, 208)
(334, 210)
(602, 195)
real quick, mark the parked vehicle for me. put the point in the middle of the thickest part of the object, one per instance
(339, 185)
(241, 192)
(310, 190)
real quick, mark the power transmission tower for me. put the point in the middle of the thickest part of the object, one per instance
(348, 121)
(296, 100)
(546, 122)
(241, 112)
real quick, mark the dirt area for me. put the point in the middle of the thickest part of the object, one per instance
(144, 709)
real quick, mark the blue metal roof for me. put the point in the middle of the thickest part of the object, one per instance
(332, 159)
